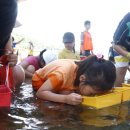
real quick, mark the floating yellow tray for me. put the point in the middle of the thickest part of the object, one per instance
(102, 101)
(125, 85)
(125, 92)
(118, 95)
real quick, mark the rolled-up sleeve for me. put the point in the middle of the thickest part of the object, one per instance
(56, 79)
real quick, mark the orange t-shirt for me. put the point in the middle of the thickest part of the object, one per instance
(87, 41)
(61, 73)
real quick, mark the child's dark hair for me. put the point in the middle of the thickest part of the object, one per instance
(69, 38)
(41, 55)
(98, 71)
(87, 22)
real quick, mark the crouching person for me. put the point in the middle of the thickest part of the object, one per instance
(66, 80)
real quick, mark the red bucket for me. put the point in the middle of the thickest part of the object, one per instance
(6, 79)
(83, 57)
(5, 96)
(6, 84)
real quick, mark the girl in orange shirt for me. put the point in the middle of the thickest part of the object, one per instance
(62, 80)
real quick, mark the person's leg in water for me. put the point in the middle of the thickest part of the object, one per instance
(120, 75)
(121, 64)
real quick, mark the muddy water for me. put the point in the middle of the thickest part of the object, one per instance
(29, 113)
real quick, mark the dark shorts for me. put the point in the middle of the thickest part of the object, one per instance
(87, 53)
(8, 13)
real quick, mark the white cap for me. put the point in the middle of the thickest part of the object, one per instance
(49, 56)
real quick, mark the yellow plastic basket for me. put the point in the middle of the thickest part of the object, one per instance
(125, 92)
(125, 85)
(104, 100)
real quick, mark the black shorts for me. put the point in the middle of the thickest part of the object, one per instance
(8, 13)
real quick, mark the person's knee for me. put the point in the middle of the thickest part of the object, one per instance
(19, 75)
(31, 69)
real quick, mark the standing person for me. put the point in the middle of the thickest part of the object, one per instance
(121, 45)
(65, 80)
(30, 49)
(86, 47)
(33, 63)
(69, 51)
(8, 14)
(14, 44)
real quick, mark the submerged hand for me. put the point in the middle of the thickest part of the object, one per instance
(73, 99)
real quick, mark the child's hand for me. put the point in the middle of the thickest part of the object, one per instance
(12, 59)
(73, 99)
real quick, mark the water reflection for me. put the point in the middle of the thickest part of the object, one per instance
(105, 117)
(28, 112)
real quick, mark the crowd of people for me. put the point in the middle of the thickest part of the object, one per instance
(64, 77)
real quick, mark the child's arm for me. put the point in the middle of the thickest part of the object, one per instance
(46, 92)
(121, 51)
(20, 41)
(12, 58)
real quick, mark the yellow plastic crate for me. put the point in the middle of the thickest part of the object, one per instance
(125, 85)
(125, 92)
(101, 101)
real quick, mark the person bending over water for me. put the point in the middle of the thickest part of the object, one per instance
(33, 63)
(65, 80)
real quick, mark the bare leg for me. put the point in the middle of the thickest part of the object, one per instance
(120, 75)
(19, 75)
(29, 71)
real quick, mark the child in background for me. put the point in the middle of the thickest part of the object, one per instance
(30, 48)
(14, 45)
(63, 79)
(69, 51)
(33, 63)
(86, 47)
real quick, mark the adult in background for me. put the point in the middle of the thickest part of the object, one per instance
(121, 45)
(8, 14)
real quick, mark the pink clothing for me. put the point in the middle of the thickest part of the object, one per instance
(33, 60)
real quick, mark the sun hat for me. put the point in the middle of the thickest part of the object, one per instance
(49, 56)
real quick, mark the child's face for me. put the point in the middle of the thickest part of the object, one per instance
(87, 90)
(69, 46)
(87, 26)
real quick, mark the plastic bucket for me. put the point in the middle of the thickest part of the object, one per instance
(83, 57)
(5, 96)
(6, 79)
(10, 76)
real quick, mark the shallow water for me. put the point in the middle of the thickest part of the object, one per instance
(29, 113)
